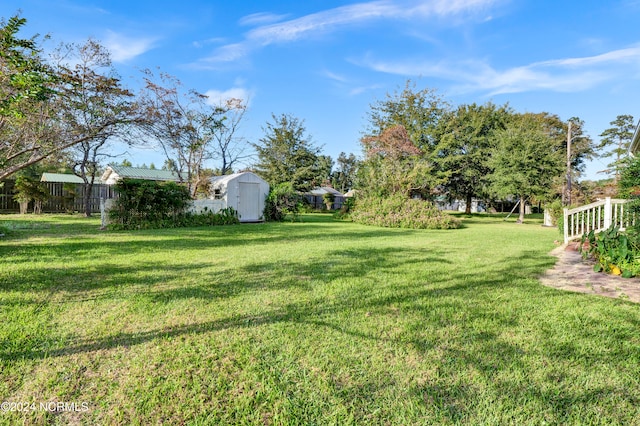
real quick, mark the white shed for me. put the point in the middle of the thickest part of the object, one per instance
(246, 192)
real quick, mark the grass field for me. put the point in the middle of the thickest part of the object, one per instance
(313, 322)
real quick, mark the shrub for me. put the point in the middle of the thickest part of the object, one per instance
(283, 201)
(328, 199)
(614, 251)
(345, 210)
(143, 204)
(27, 188)
(398, 211)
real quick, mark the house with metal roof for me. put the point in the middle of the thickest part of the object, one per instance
(114, 173)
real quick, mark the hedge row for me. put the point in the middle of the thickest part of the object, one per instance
(401, 212)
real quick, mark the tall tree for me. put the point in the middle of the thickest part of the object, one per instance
(287, 154)
(465, 146)
(344, 176)
(418, 111)
(405, 124)
(181, 123)
(619, 138)
(93, 106)
(582, 146)
(525, 161)
(228, 146)
(325, 167)
(393, 164)
(27, 134)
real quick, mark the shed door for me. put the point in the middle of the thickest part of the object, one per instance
(249, 201)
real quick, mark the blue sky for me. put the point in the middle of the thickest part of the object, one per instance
(326, 62)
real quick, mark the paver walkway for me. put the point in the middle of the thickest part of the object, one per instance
(572, 273)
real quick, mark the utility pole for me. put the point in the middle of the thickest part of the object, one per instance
(568, 199)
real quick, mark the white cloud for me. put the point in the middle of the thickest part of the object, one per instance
(333, 76)
(261, 18)
(631, 54)
(321, 22)
(124, 48)
(331, 20)
(214, 40)
(228, 53)
(561, 75)
(219, 97)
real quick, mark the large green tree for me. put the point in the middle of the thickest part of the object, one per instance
(26, 89)
(93, 106)
(617, 138)
(418, 111)
(287, 154)
(525, 161)
(344, 176)
(399, 141)
(43, 106)
(393, 165)
(465, 145)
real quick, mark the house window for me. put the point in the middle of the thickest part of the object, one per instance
(217, 194)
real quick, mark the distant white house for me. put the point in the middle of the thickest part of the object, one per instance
(477, 206)
(246, 192)
(114, 173)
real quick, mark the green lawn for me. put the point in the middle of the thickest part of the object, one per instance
(313, 322)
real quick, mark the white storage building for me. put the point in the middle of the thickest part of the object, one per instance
(246, 192)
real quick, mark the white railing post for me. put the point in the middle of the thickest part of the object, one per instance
(607, 212)
(566, 225)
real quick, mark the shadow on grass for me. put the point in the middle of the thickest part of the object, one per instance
(481, 307)
(83, 246)
(371, 265)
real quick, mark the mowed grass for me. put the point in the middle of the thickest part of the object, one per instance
(313, 322)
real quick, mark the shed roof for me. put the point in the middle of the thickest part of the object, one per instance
(61, 177)
(141, 173)
(225, 179)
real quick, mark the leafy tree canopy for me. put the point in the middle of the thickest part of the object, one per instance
(418, 111)
(526, 160)
(618, 139)
(287, 154)
(466, 142)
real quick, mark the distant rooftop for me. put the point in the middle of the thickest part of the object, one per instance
(140, 173)
(325, 190)
(62, 178)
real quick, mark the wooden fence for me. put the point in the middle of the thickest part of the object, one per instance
(63, 197)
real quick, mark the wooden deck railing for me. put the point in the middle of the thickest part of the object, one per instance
(596, 216)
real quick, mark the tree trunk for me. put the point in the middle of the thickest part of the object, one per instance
(86, 198)
(522, 209)
(467, 209)
(24, 206)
